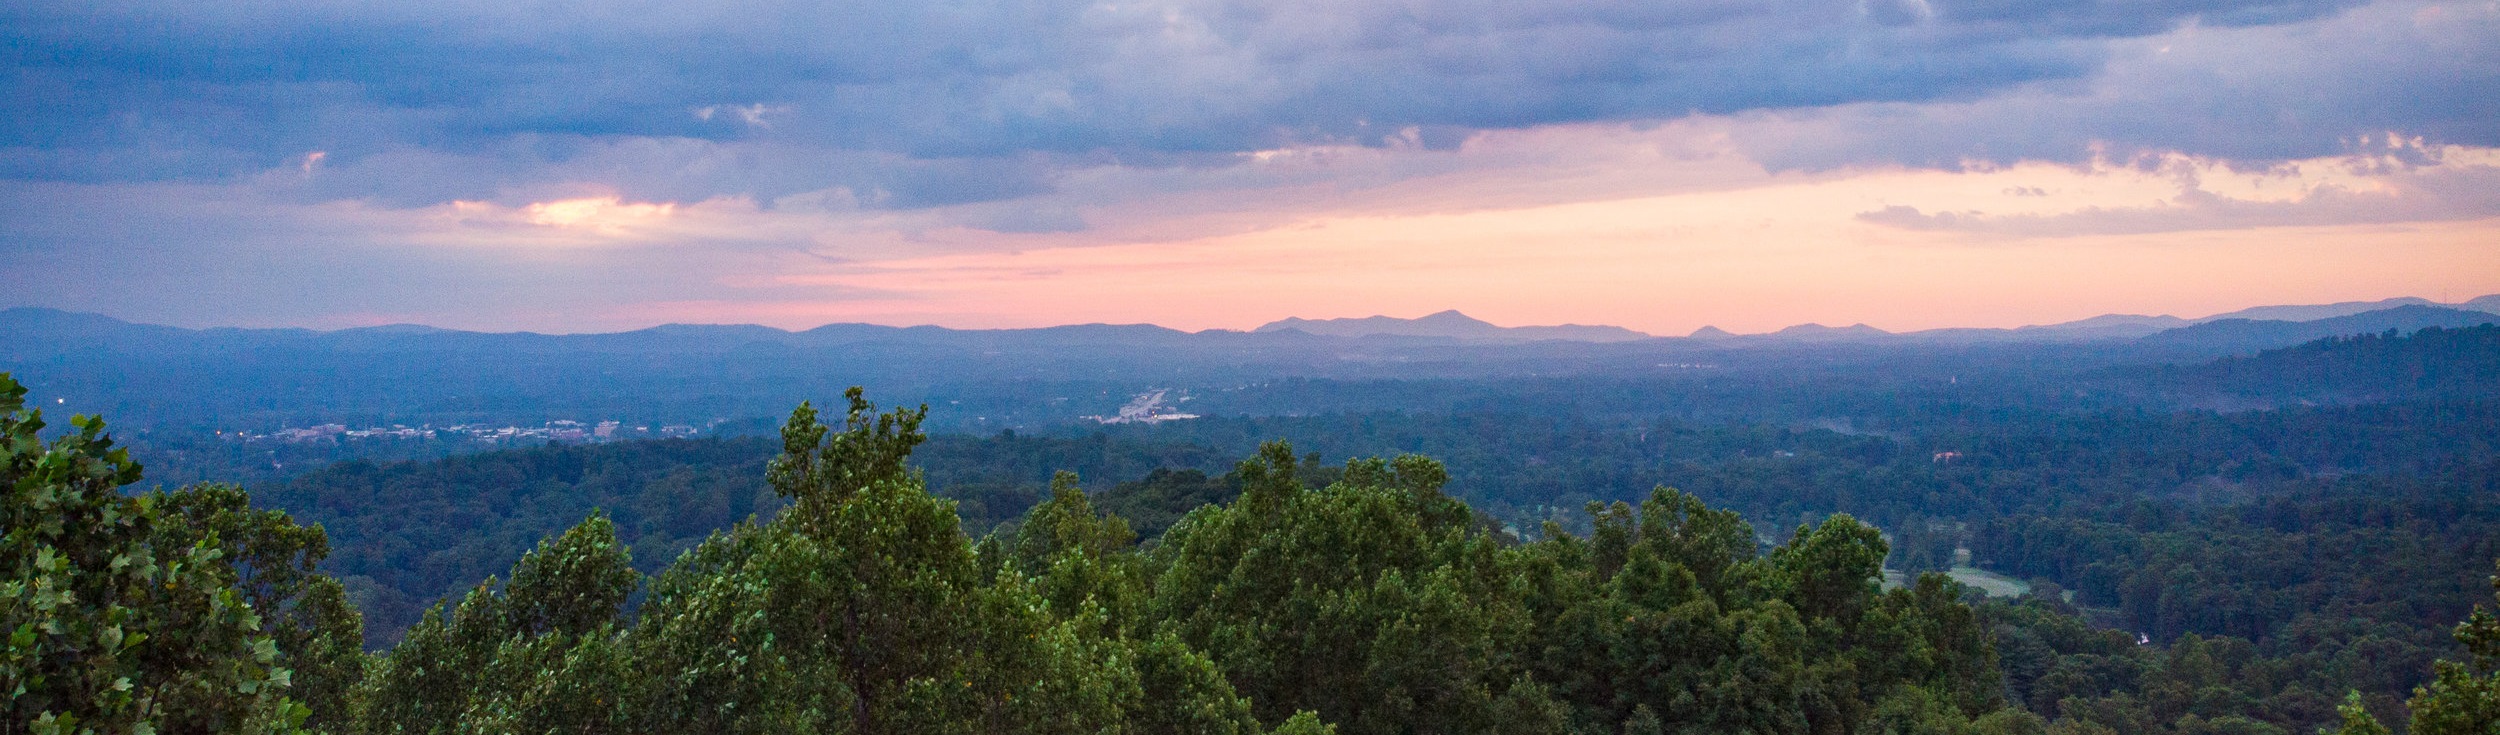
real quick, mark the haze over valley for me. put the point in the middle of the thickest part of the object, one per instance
(1211, 367)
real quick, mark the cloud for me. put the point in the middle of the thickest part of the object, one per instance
(751, 114)
(2405, 183)
(202, 255)
(604, 214)
(2259, 94)
(581, 160)
(162, 90)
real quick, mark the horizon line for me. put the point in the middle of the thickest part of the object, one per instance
(2391, 302)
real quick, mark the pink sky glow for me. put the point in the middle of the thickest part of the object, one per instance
(1656, 164)
(1660, 237)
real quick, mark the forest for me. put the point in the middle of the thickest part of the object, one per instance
(1511, 565)
(410, 532)
(1376, 603)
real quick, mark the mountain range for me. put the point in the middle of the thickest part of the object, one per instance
(981, 380)
(1454, 325)
(28, 331)
(1449, 324)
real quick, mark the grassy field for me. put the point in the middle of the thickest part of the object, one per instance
(1994, 584)
(1988, 583)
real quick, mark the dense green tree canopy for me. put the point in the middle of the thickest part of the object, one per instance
(1281, 597)
(183, 612)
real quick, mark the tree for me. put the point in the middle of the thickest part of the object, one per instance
(1832, 571)
(2464, 696)
(319, 635)
(863, 608)
(1374, 602)
(573, 584)
(1078, 558)
(2356, 718)
(533, 655)
(114, 625)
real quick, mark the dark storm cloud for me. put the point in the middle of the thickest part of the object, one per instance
(924, 104)
(2250, 95)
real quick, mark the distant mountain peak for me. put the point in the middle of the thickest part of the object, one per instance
(1449, 324)
(1444, 317)
(395, 329)
(2315, 312)
(1816, 332)
(2163, 321)
(1710, 332)
(1451, 316)
(40, 314)
(1815, 328)
(2250, 335)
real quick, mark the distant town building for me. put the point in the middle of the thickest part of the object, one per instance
(564, 430)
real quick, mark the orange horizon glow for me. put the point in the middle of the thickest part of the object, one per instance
(1778, 251)
(1661, 230)
(1194, 167)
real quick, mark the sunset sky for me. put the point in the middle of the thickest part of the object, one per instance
(1661, 165)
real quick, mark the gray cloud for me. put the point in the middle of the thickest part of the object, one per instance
(203, 255)
(2258, 95)
(2424, 194)
(934, 104)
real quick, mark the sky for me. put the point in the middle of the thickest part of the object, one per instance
(567, 166)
